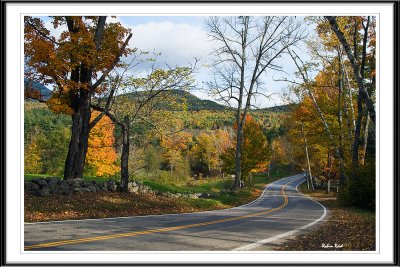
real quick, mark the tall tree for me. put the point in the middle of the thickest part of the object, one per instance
(72, 62)
(359, 73)
(246, 48)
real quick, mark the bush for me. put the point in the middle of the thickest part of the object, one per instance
(360, 188)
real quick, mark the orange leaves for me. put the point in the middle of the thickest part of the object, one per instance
(178, 141)
(61, 59)
(101, 156)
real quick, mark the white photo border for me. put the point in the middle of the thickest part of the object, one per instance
(15, 122)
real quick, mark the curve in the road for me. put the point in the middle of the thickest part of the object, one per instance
(255, 204)
(286, 234)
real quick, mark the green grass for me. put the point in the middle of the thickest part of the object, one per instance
(29, 176)
(195, 186)
(199, 186)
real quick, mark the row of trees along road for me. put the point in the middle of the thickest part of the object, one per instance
(336, 113)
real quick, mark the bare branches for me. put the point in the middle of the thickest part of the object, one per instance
(110, 98)
(247, 47)
(116, 60)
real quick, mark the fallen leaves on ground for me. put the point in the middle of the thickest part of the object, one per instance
(107, 204)
(346, 229)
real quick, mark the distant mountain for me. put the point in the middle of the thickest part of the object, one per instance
(181, 97)
(175, 99)
(282, 108)
(44, 91)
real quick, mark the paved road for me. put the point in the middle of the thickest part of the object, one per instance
(280, 211)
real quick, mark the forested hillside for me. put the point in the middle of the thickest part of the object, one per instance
(195, 136)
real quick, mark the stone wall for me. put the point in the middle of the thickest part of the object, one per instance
(55, 186)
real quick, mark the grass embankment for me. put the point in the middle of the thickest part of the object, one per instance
(346, 228)
(107, 204)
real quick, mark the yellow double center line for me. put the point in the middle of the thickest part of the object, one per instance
(159, 230)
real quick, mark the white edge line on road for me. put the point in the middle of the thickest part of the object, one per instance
(277, 237)
(159, 215)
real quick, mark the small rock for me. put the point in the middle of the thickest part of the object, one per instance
(45, 191)
(42, 182)
(53, 180)
(76, 183)
(28, 186)
(92, 188)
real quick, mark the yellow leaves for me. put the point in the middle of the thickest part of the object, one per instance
(32, 158)
(59, 104)
(255, 150)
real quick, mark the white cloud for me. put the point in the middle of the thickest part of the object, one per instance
(178, 43)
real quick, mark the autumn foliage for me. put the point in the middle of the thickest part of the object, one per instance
(101, 156)
(50, 58)
(255, 153)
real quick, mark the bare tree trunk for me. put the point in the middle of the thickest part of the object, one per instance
(340, 120)
(347, 104)
(238, 156)
(78, 145)
(365, 140)
(330, 164)
(125, 154)
(353, 118)
(356, 143)
(308, 159)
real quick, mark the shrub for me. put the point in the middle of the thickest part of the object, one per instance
(360, 188)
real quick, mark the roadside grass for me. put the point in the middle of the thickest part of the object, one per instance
(107, 204)
(194, 186)
(350, 228)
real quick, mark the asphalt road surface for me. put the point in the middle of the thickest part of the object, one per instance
(280, 212)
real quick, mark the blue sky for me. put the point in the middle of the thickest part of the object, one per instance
(180, 39)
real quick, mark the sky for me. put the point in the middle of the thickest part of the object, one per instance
(181, 39)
